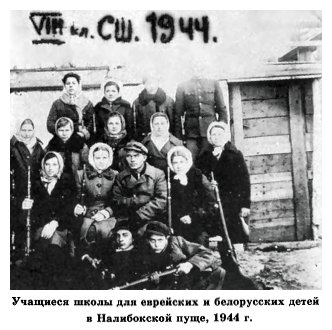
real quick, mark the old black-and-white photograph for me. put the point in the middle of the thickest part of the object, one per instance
(165, 150)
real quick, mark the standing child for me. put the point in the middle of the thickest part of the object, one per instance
(69, 144)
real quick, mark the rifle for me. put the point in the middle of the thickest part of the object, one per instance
(148, 278)
(13, 202)
(94, 123)
(83, 185)
(169, 198)
(241, 282)
(28, 222)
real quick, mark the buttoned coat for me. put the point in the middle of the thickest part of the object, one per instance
(201, 102)
(145, 197)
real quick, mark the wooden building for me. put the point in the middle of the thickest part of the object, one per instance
(275, 116)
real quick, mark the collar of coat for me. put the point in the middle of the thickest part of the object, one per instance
(104, 103)
(14, 141)
(108, 174)
(172, 139)
(149, 171)
(74, 144)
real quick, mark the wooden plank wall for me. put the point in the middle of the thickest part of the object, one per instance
(267, 150)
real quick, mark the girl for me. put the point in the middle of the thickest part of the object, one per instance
(99, 178)
(231, 173)
(191, 196)
(112, 101)
(52, 207)
(160, 141)
(69, 144)
(115, 135)
(74, 105)
(25, 150)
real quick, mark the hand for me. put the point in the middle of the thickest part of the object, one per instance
(98, 217)
(27, 204)
(81, 134)
(186, 219)
(244, 212)
(93, 261)
(184, 268)
(79, 210)
(49, 229)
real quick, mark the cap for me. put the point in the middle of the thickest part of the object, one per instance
(157, 228)
(136, 146)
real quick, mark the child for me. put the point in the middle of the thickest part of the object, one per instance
(70, 145)
(191, 196)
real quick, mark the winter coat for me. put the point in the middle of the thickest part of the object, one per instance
(195, 199)
(20, 159)
(74, 152)
(60, 109)
(201, 102)
(141, 199)
(233, 179)
(97, 190)
(158, 158)
(103, 108)
(178, 250)
(143, 114)
(59, 205)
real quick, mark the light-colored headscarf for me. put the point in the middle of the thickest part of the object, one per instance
(186, 154)
(159, 141)
(217, 150)
(101, 146)
(29, 143)
(50, 181)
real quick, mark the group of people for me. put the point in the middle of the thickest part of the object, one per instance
(124, 191)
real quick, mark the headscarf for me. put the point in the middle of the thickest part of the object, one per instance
(217, 150)
(184, 152)
(79, 100)
(28, 143)
(121, 134)
(101, 146)
(50, 181)
(159, 141)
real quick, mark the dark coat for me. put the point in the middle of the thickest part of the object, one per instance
(143, 198)
(104, 108)
(158, 158)
(58, 206)
(74, 152)
(178, 250)
(201, 102)
(60, 109)
(143, 114)
(195, 199)
(20, 159)
(233, 179)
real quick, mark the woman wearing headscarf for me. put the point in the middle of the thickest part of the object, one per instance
(52, 205)
(111, 102)
(69, 144)
(151, 100)
(191, 196)
(116, 136)
(97, 213)
(74, 105)
(25, 150)
(160, 141)
(231, 173)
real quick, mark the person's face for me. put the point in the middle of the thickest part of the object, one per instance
(151, 85)
(101, 159)
(114, 125)
(71, 85)
(218, 136)
(111, 93)
(65, 132)
(160, 126)
(124, 239)
(135, 159)
(27, 131)
(158, 243)
(52, 167)
(179, 164)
